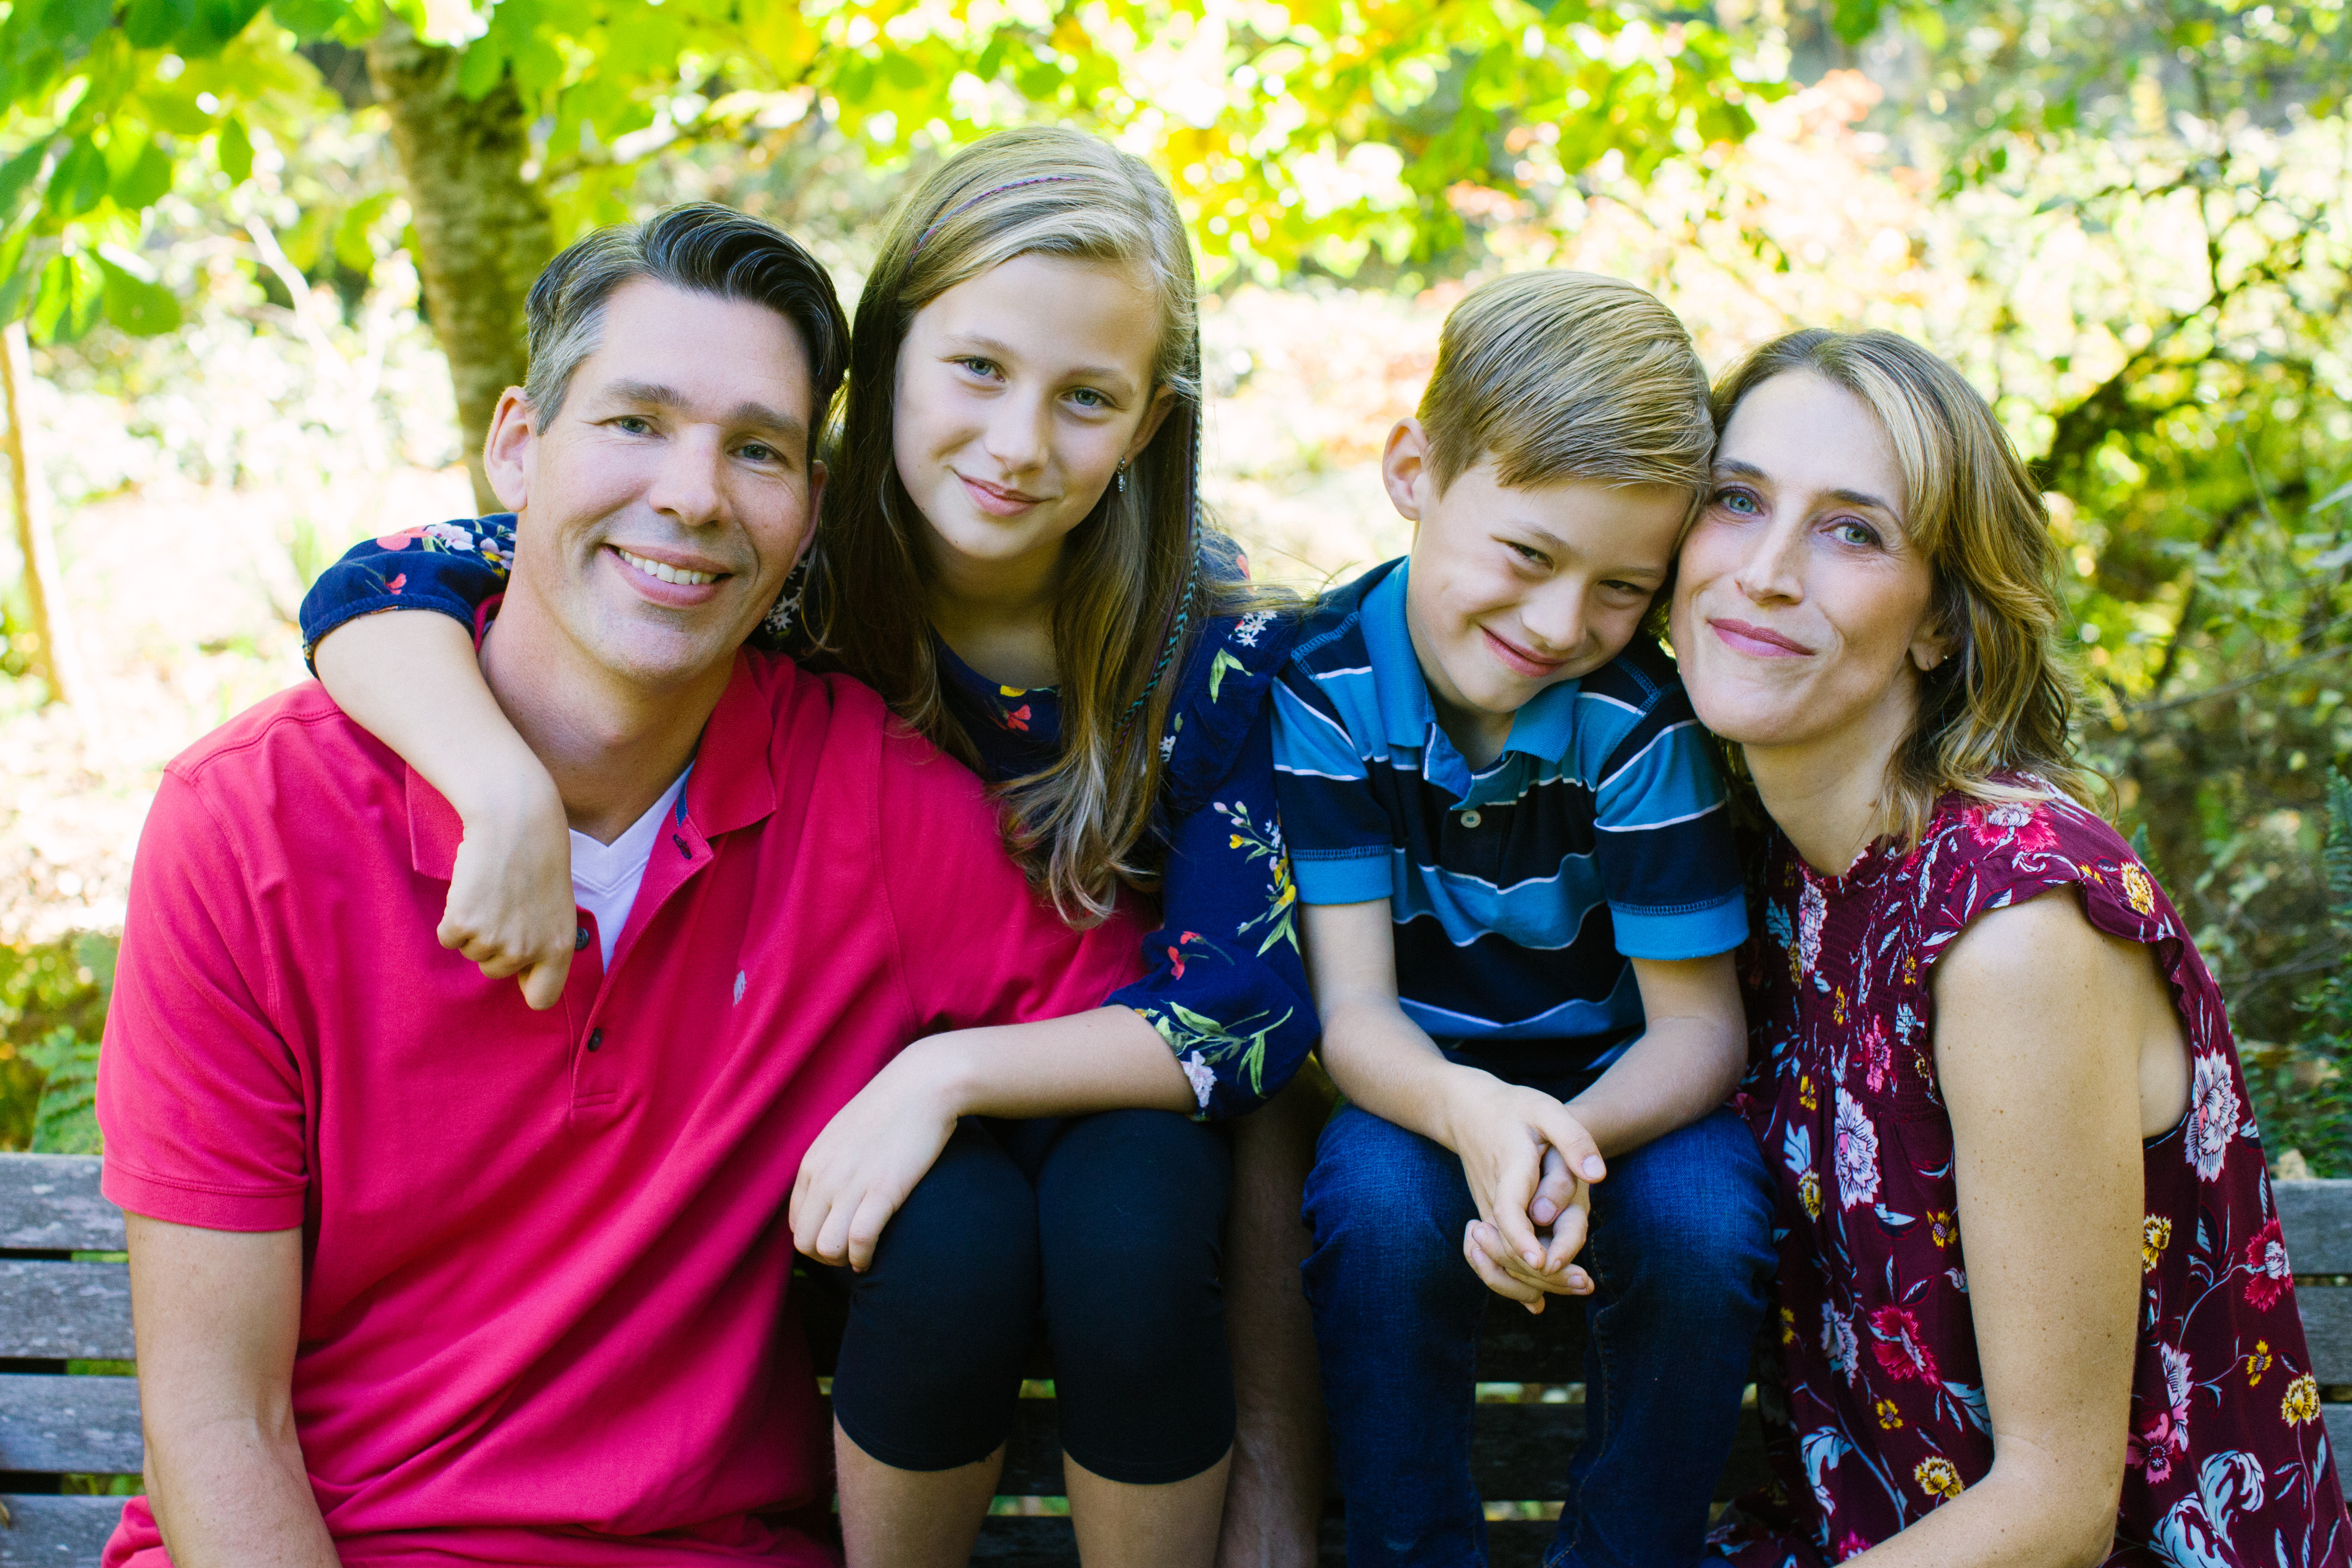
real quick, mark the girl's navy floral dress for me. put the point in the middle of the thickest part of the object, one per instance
(1225, 984)
(1875, 1409)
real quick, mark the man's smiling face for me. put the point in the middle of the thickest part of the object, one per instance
(667, 497)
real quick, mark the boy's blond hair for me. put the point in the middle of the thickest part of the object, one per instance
(1568, 375)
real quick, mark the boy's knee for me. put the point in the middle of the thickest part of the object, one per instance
(1382, 1194)
(1690, 1217)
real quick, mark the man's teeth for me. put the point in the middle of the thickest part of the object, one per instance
(666, 573)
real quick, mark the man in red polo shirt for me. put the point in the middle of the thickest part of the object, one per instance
(422, 1275)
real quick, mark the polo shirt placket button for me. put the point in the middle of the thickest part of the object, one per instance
(1470, 818)
(595, 1038)
(579, 939)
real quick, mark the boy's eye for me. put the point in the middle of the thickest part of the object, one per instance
(1527, 553)
(1737, 501)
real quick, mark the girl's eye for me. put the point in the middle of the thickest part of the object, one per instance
(1738, 502)
(977, 366)
(1089, 398)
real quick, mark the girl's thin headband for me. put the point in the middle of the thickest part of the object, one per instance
(991, 190)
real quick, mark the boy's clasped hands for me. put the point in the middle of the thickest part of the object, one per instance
(1530, 1165)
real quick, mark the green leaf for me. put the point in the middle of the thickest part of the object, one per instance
(17, 172)
(16, 279)
(146, 181)
(235, 151)
(220, 21)
(484, 62)
(173, 107)
(152, 24)
(76, 23)
(79, 182)
(65, 1122)
(2338, 855)
(140, 309)
(353, 248)
(67, 302)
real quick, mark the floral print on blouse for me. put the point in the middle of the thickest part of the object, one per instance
(1225, 984)
(1876, 1412)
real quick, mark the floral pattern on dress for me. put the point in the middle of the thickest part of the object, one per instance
(1225, 986)
(1878, 1416)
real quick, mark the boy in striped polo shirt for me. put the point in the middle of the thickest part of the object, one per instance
(1521, 903)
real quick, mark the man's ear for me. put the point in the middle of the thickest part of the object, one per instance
(1405, 472)
(818, 474)
(507, 454)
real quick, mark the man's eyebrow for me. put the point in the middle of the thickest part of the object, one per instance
(982, 343)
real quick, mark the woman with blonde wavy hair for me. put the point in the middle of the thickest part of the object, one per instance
(1011, 551)
(2033, 1304)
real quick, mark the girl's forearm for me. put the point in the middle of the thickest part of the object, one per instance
(1107, 1060)
(411, 679)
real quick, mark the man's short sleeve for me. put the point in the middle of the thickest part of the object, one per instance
(199, 1096)
(1340, 838)
(1667, 862)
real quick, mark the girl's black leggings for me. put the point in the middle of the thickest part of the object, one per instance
(1102, 1231)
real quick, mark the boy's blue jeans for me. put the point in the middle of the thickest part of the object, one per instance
(1680, 1248)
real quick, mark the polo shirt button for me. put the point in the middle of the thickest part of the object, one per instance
(595, 1038)
(579, 939)
(1471, 819)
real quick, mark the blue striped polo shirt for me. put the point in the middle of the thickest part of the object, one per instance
(1598, 835)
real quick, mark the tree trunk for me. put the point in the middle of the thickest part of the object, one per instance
(54, 655)
(483, 231)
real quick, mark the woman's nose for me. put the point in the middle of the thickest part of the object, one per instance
(1773, 567)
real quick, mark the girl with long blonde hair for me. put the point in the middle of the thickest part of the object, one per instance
(1011, 551)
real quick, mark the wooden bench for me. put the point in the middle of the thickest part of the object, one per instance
(60, 1432)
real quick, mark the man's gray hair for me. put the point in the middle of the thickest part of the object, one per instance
(700, 246)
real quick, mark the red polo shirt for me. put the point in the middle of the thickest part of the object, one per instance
(543, 1314)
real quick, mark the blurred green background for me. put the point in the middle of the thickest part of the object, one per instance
(265, 268)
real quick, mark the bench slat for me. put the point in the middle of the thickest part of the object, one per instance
(65, 1311)
(2316, 1216)
(2327, 1324)
(1518, 1346)
(71, 1426)
(50, 1203)
(58, 1531)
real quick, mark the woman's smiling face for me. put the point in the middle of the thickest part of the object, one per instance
(1804, 607)
(1019, 392)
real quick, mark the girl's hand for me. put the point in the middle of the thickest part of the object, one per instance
(1522, 1152)
(862, 1167)
(510, 908)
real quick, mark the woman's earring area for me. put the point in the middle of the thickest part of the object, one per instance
(1120, 478)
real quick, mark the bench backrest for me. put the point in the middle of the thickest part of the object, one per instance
(62, 1431)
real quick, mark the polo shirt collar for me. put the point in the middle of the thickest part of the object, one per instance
(1540, 731)
(736, 789)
